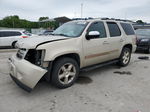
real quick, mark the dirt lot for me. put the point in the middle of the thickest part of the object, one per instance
(107, 89)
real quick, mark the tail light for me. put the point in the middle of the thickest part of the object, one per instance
(24, 36)
(34, 56)
(135, 40)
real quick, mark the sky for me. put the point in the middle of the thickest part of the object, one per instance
(33, 9)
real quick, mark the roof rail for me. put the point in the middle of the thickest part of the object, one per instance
(124, 20)
(89, 18)
(105, 18)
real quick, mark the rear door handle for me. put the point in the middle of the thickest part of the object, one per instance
(105, 42)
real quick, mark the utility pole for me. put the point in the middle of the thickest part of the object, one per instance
(125, 15)
(81, 10)
(13, 23)
(75, 14)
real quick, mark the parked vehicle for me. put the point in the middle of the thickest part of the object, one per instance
(143, 40)
(9, 37)
(74, 46)
(47, 32)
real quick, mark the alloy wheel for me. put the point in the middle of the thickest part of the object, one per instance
(126, 57)
(67, 73)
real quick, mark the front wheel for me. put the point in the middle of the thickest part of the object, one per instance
(125, 57)
(65, 72)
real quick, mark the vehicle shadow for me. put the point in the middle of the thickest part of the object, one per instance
(84, 78)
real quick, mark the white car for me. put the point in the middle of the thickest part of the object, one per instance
(9, 37)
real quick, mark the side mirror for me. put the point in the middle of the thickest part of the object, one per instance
(92, 35)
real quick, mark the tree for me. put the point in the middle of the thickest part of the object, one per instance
(43, 18)
(11, 21)
(16, 22)
(139, 22)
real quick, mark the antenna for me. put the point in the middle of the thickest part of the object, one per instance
(81, 10)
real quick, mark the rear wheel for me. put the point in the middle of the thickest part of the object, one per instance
(125, 57)
(65, 72)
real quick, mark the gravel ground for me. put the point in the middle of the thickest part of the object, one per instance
(107, 89)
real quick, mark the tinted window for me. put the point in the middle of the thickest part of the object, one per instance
(1, 35)
(127, 28)
(4, 34)
(98, 26)
(9, 33)
(113, 29)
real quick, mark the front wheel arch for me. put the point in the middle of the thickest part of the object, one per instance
(74, 56)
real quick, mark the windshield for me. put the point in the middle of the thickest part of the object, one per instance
(143, 32)
(71, 29)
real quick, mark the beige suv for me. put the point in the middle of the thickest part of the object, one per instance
(74, 46)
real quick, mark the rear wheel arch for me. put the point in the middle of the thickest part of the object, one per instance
(128, 46)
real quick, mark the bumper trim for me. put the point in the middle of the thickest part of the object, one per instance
(20, 84)
(142, 48)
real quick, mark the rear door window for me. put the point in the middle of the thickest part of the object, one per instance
(113, 29)
(127, 28)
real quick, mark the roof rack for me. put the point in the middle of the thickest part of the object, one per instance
(105, 18)
(83, 18)
(124, 20)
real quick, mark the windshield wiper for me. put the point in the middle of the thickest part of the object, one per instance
(61, 34)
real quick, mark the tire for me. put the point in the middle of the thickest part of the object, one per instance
(125, 57)
(64, 73)
(148, 50)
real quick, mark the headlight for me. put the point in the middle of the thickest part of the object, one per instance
(21, 53)
(35, 56)
(144, 40)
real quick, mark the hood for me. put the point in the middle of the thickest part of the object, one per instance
(143, 36)
(31, 43)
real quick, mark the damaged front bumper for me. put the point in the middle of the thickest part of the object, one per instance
(25, 74)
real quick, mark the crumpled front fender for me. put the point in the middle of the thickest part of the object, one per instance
(25, 72)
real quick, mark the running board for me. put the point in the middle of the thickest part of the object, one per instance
(85, 69)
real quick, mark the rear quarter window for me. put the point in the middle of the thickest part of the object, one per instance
(15, 33)
(128, 29)
(1, 35)
(9, 33)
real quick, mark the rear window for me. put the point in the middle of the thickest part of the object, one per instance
(9, 33)
(113, 29)
(127, 28)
